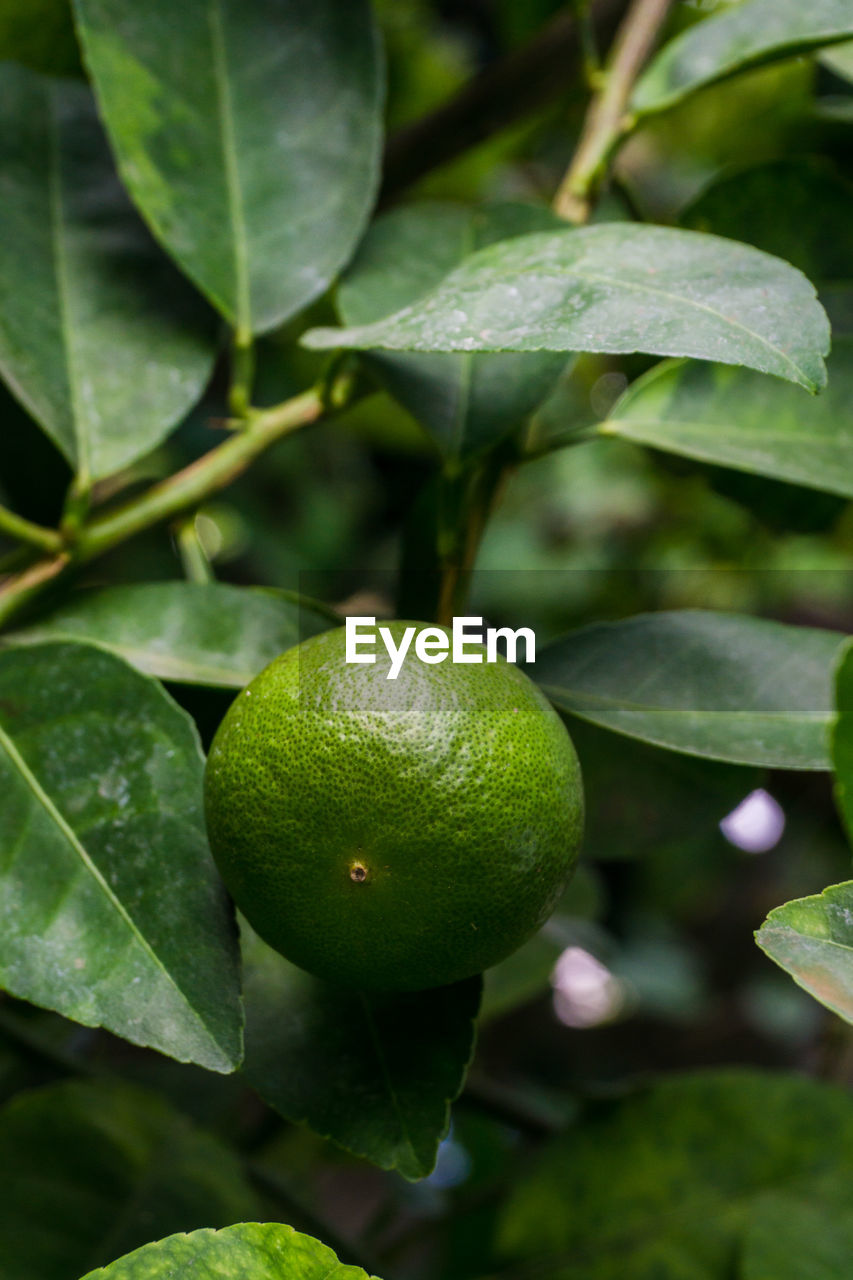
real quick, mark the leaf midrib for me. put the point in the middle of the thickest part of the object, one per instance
(386, 1077)
(754, 56)
(605, 703)
(71, 838)
(627, 427)
(164, 666)
(577, 273)
(60, 257)
(788, 929)
(614, 281)
(466, 371)
(233, 189)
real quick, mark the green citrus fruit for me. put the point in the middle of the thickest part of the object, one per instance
(393, 834)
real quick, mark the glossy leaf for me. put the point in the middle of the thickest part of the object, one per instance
(91, 1170)
(615, 287)
(733, 688)
(374, 1073)
(747, 35)
(248, 133)
(100, 338)
(111, 911)
(737, 418)
(665, 1183)
(191, 633)
(795, 1239)
(250, 1250)
(466, 402)
(812, 940)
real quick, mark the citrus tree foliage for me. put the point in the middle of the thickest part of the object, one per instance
(680, 1202)
(233, 188)
(204, 633)
(79, 265)
(113, 911)
(140, 1167)
(812, 937)
(608, 334)
(614, 288)
(403, 1057)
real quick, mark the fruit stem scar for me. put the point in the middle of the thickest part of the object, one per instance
(358, 872)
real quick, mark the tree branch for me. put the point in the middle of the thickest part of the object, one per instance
(212, 472)
(182, 492)
(515, 86)
(34, 535)
(508, 90)
(471, 498)
(607, 121)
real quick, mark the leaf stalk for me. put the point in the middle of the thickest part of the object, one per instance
(242, 374)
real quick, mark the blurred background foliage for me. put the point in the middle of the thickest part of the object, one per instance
(649, 964)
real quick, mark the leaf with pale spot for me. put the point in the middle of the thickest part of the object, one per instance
(616, 287)
(111, 910)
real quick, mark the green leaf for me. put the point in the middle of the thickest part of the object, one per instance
(248, 133)
(615, 287)
(374, 1073)
(90, 1170)
(250, 1251)
(738, 419)
(842, 738)
(733, 688)
(812, 940)
(793, 1239)
(748, 35)
(664, 1183)
(112, 911)
(466, 402)
(192, 633)
(100, 338)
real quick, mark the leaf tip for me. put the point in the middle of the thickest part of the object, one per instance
(322, 339)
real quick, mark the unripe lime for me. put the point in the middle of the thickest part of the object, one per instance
(393, 834)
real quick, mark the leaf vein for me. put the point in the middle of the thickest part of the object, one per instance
(234, 192)
(71, 838)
